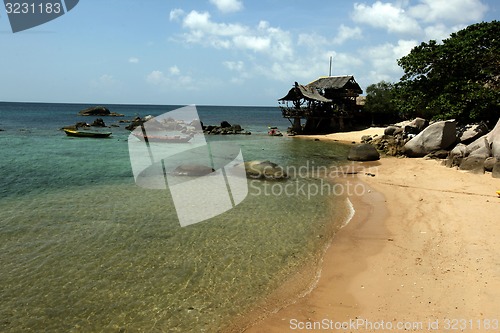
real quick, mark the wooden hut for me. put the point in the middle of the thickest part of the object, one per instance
(327, 104)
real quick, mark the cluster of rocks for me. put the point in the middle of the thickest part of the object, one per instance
(224, 129)
(472, 147)
(99, 111)
(168, 124)
(99, 122)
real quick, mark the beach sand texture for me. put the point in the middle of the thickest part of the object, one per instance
(421, 251)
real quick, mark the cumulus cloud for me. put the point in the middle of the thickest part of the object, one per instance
(173, 80)
(174, 70)
(346, 33)
(201, 29)
(388, 16)
(176, 14)
(228, 6)
(456, 11)
(234, 65)
(156, 77)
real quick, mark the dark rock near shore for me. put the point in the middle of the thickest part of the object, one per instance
(390, 130)
(99, 111)
(363, 152)
(98, 123)
(224, 129)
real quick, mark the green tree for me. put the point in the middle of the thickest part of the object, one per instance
(459, 78)
(379, 102)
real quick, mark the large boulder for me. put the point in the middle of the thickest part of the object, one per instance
(474, 164)
(480, 147)
(440, 135)
(494, 140)
(363, 152)
(472, 132)
(416, 126)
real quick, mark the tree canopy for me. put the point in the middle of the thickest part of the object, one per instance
(459, 78)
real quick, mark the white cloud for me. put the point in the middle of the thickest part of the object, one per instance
(133, 60)
(262, 39)
(234, 65)
(156, 77)
(228, 6)
(457, 11)
(346, 33)
(388, 16)
(176, 14)
(440, 31)
(174, 70)
(171, 81)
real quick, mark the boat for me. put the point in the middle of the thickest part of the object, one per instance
(274, 131)
(86, 134)
(498, 193)
(163, 138)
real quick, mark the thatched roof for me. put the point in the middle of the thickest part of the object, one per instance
(336, 82)
(308, 93)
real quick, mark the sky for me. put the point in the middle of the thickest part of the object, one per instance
(218, 52)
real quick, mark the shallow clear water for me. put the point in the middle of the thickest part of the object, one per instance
(82, 248)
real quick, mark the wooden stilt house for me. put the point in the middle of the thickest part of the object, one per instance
(327, 104)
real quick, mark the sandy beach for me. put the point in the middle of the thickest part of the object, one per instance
(347, 137)
(420, 254)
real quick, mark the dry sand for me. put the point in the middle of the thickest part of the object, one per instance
(349, 137)
(422, 250)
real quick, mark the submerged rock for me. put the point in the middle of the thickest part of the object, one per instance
(265, 170)
(192, 170)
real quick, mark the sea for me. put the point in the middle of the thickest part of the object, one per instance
(83, 248)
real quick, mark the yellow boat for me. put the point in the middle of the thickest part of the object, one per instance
(498, 192)
(86, 134)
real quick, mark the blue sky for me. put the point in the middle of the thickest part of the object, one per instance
(217, 52)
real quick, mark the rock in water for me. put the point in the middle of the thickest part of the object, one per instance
(192, 170)
(440, 135)
(264, 170)
(363, 152)
(95, 111)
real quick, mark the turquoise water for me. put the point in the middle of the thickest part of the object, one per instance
(83, 249)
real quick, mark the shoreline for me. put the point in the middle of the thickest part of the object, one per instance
(420, 250)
